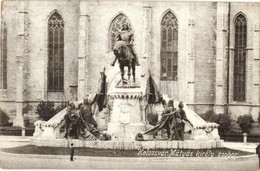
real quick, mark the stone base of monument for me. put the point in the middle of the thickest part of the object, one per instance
(127, 118)
(124, 132)
(187, 144)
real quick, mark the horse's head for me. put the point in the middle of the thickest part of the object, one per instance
(119, 49)
(117, 52)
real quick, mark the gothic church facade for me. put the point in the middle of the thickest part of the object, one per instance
(203, 53)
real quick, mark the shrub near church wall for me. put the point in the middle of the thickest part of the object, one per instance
(4, 118)
(245, 123)
(223, 120)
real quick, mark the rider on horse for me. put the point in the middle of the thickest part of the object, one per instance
(127, 37)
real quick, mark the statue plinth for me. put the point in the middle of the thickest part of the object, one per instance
(126, 118)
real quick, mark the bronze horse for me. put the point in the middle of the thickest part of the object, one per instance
(126, 58)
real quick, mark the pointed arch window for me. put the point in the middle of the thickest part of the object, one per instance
(55, 53)
(239, 85)
(3, 61)
(115, 28)
(169, 47)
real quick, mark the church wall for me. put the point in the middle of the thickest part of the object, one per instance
(252, 103)
(10, 18)
(197, 42)
(203, 41)
(35, 62)
(205, 55)
(176, 89)
(37, 81)
(38, 17)
(205, 50)
(10, 9)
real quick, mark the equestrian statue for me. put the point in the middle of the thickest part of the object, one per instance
(125, 52)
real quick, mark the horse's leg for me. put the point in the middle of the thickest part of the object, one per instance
(129, 71)
(122, 73)
(133, 70)
(113, 63)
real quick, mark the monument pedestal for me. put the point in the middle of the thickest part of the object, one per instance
(126, 118)
(124, 132)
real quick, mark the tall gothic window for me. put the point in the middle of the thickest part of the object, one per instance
(239, 86)
(3, 57)
(115, 28)
(55, 53)
(169, 47)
